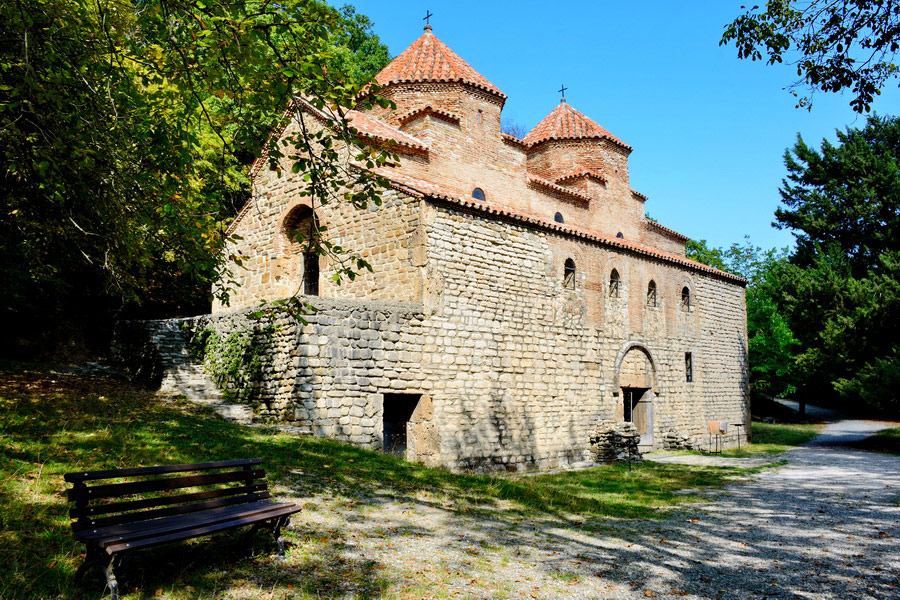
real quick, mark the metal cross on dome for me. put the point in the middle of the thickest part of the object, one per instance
(428, 15)
(562, 90)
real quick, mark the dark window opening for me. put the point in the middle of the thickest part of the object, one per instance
(620, 236)
(397, 413)
(310, 273)
(688, 367)
(569, 274)
(301, 226)
(685, 299)
(614, 284)
(559, 218)
(651, 293)
(478, 194)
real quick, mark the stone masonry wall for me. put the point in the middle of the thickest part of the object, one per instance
(543, 369)
(513, 369)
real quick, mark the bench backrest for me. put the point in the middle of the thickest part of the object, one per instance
(153, 492)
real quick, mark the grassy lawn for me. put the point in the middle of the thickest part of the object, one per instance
(53, 423)
(886, 440)
(774, 438)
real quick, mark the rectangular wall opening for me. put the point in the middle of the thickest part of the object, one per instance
(398, 410)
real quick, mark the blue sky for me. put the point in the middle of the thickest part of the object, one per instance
(708, 130)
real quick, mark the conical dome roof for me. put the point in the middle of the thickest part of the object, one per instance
(429, 59)
(566, 123)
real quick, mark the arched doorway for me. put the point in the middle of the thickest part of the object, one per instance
(636, 384)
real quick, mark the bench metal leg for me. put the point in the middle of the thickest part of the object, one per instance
(110, 571)
(277, 524)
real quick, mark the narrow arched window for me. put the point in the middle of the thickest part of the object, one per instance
(620, 235)
(651, 293)
(614, 283)
(685, 299)
(559, 218)
(301, 227)
(478, 194)
(569, 274)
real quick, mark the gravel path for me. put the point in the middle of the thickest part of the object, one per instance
(826, 525)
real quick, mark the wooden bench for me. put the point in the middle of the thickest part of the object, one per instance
(152, 507)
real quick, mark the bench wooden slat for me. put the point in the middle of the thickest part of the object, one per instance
(158, 513)
(129, 505)
(173, 523)
(159, 470)
(113, 490)
(198, 531)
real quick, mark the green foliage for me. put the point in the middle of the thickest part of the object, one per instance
(702, 253)
(235, 362)
(834, 46)
(126, 130)
(841, 291)
(846, 195)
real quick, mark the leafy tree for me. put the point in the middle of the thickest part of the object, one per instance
(840, 292)
(125, 131)
(702, 253)
(845, 196)
(834, 44)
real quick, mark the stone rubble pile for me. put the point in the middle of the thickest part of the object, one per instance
(672, 440)
(616, 442)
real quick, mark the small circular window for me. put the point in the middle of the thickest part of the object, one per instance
(478, 194)
(620, 236)
(559, 218)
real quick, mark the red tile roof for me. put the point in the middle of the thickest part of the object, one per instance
(429, 59)
(579, 174)
(566, 123)
(549, 185)
(420, 188)
(372, 128)
(638, 195)
(667, 231)
(429, 110)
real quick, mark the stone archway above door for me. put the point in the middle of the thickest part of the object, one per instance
(635, 368)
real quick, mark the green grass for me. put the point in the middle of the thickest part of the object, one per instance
(774, 438)
(52, 423)
(886, 441)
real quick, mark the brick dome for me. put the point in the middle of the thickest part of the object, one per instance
(428, 59)
(566, 123)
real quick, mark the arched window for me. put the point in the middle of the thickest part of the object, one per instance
(614, 282)
(301, 227)
(685, 299)
(651, 293)
(559, 218)
(620, 236)
(569, 274)
(478, 194)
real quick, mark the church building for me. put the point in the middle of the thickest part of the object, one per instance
(519, 296)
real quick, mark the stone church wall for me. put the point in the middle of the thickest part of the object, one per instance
(512, 369)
